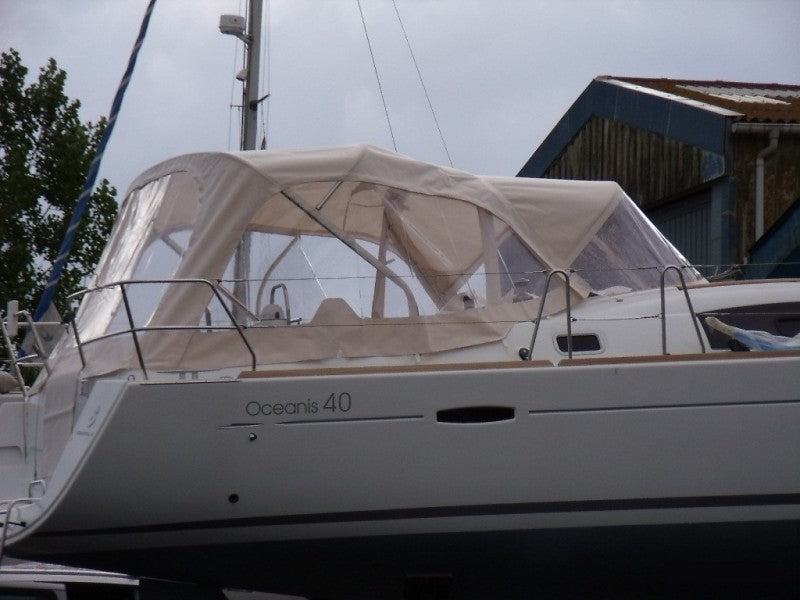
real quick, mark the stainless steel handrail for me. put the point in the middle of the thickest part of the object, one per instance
(282, 287)
(29, 360)
(15, 370)
(688, 303)
(7, 520)
(133, 330)
(38, 341)
(527, 353)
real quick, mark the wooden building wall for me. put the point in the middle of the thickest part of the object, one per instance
(781, 182)
(651, 168)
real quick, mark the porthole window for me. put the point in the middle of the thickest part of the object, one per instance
(584, 342)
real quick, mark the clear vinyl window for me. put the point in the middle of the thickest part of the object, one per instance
(387, 254)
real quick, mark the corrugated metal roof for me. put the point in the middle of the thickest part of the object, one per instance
(755, 102)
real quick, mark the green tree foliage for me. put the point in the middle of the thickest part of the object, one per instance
(45, 153)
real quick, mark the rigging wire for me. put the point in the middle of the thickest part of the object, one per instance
(377, 77)
(422, 82)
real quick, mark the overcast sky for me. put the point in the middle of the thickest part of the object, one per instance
(500, 73)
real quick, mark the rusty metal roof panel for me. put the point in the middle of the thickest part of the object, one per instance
(754, 102)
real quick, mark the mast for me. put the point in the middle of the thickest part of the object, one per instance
(234, 25)
(250, 92)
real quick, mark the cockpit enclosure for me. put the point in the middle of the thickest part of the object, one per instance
(243, 259)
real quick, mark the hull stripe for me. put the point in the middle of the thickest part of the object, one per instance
(452, 511)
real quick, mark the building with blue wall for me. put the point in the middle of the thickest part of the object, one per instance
(715, 164)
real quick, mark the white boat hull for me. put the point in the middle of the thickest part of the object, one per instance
(318, 474)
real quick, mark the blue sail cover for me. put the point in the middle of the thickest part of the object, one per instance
(45, 303)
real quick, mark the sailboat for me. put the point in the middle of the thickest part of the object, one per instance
(423, 360)
(345, 373)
